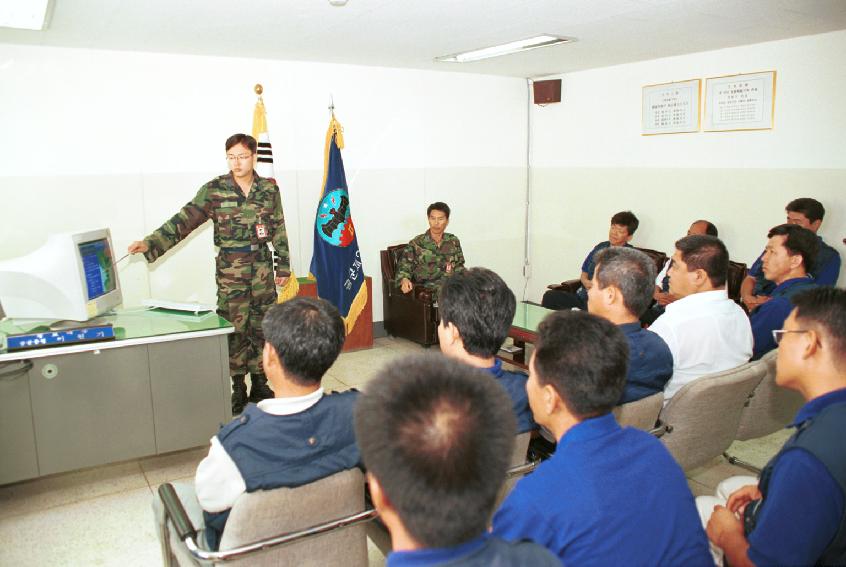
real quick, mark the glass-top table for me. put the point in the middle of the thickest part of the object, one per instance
(523, 330)
(130, 326)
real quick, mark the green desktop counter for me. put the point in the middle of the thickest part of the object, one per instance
(161, 386)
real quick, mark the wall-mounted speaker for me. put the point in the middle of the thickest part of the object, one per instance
(547, 92)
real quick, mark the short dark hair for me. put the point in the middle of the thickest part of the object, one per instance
(244, 139)
(438, 436)
(585, 358)
(627, 219)
(798, 240)
(438, 206)
(710, 229)
(307, 334)
(811, 208)
(826, 307)
(629, 270)
(481, 306)
(703, 252)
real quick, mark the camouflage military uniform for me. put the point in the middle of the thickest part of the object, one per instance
(426, 263)
(245, 283)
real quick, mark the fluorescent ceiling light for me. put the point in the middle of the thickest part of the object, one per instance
(506, 48)
(24, 14)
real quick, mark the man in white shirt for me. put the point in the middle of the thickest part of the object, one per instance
(705, 330)
(662, 295)
(297, 437)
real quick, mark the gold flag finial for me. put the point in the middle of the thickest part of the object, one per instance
(259, 89)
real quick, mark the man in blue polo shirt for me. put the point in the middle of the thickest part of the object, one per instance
(623, 226)
(622, 290)
(788, 260)
(795, 515)
(436, 441)
(477, 309)
(808, 213)
(608, 495)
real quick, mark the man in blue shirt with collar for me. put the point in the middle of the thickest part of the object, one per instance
(623, 226)
(808, 213)
(477, 309)
(608, 495)
(436, 441)
(795, 515)
(788, 260)
(622, 290)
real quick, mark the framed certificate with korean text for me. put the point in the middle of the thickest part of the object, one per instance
(671, 108)
(740, 102)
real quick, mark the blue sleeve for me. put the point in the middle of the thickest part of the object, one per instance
(757, 265)
(764, 320)
(515, 385)
(828, 274)
(800, 515)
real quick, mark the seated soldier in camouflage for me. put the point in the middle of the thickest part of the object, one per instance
(432, 256)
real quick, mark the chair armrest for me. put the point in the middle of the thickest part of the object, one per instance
(176, 512)
(660, 429)
(423, 293)
(571, 286)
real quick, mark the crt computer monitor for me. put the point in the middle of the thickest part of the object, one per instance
(73, 277)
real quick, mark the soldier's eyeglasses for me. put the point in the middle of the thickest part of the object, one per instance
(239, 158)
(778, 334)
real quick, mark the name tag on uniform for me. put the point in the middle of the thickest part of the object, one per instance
(449, 267)
(261, 230)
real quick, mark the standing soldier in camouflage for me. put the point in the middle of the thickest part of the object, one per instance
(247, 214)
(431, 256)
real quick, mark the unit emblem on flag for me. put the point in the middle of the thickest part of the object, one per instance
(333, 220)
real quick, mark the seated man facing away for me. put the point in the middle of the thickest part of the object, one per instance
(662, 295)
(436, 441)
(796, 515)
(788, 259)
(621, 292)
(477, 309)
(706, 331)
(807, 213)
(623, 226)
(432, 256)
(608, 495)
(297, 437)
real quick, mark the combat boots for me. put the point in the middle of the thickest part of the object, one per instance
(259, 390)
(239, 394)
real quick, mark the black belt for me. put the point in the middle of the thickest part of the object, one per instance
(244, 249)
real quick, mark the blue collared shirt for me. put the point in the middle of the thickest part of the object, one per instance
(650, 363)
(607, 496)
(771, 315)
(515, 384)
(804, 503)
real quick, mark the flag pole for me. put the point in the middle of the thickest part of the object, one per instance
(265, 162)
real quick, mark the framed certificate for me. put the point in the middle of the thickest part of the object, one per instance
(671, 108)
(740, 102)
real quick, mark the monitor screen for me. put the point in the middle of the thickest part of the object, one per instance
(73, 276)
(98, 266)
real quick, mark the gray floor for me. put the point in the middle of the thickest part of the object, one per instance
(101, 516)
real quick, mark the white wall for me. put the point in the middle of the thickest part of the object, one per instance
(99, 138)
(589, 159)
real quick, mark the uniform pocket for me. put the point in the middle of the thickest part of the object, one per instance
(227, 219)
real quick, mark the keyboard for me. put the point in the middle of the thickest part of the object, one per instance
(188, 307)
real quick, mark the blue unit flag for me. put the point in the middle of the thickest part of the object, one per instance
(336, 261)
